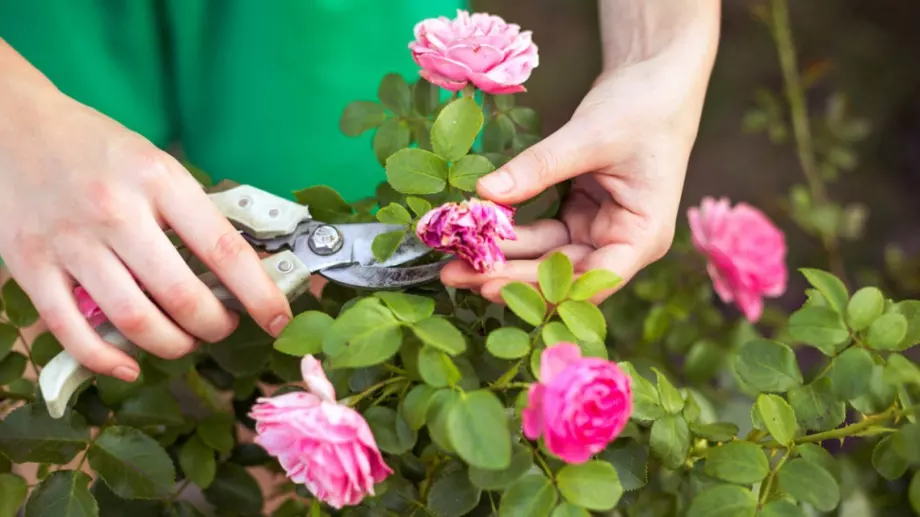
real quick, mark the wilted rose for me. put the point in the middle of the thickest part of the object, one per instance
(470, 231)
(497, 57)
(326, 446)
(746, 253)
(580, 405)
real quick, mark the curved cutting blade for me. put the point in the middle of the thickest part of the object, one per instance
(378, 277)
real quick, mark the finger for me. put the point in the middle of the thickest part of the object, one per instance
(535, 239)
(51, 291)
(159, 267)
(570, 151)
(622, 259)
(460, 275)
(117, 293)
(201, 226)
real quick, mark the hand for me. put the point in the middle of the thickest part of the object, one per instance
(84, 201)
(627, 147)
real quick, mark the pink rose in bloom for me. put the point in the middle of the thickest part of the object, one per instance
(469, 230)
(321, 444)
(497, 57)
(88, 307)
(746, 253)
(580, 405)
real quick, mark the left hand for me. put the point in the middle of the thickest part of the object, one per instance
(627, 147)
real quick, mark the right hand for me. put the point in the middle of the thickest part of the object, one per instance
(83, 200)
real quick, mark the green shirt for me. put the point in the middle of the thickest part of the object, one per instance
(252, 89)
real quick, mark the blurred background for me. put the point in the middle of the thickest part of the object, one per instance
(860, 55)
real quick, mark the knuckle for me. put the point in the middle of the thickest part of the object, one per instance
(227, 249)
(152, 169)
(177, 350)
(105, 207)
(542, 161)
(181, 298)
(662, 243)
(130, 319)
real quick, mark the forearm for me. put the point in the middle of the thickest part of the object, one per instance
(639, 30)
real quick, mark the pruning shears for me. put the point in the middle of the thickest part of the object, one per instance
(299, 246)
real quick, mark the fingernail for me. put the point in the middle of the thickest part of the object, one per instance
(126, 373)
(278, 324)
(499, 182)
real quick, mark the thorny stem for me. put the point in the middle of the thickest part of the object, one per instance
(765, 493)
(843, 432)
(798, 111)
(353, 401)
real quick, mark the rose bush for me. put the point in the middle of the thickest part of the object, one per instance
(663, 400)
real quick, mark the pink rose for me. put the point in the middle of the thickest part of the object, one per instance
(322, 444)
(494, 55)
(580, 405)
(88, 307)
(746, 253)
(469, 230)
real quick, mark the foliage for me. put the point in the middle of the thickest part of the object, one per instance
(729, 420)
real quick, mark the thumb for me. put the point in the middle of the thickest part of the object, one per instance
(567, 153)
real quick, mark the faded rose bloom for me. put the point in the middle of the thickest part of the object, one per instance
(580, 405)
(497, 57)
(321, 444)
(88, 307)
(469, 230)
(745, 250)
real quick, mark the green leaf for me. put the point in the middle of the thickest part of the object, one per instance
(110, 505)
(584, 319)
(531, 496)
(456, 128)
(906, 442)
(8, 337)
(113, 391)
(436, 368)
(521, 462)
(778, 417)
(63, 494)
(385, 244)
(12, 368)
(556, 332)
(439, 411)
(820, 456)
(235, 492)
(646, 404)
(151, 406)
(671, 399)
(781, 508)
(414, 407)
(809, 483)
(465, 172)
(656, 324)
(821, 328)
(197, 462)
(132, 464)
(594, 485)
(394, 213)
(525, 302)
(30, 435)
(416, 171)
(850, 373)
(360, 116)
(371, 332)
(569, 510)
(418, 205)
(670, 440)
(394, 93)
(724, 501)
(44, 347)
(887, 332)
(407, 307)
(426, 97)
(887, 461)
(325, 202)
(913, 492)
(440, 333)
(593, 282)
(555, 277)
(217, 432)
(478, 430)
(13, 491)
(901, 370)
(19, 309)
(768, 366)
(738, 462)
(498, 134)
(526, 118)
(393, 434)
(911, 310)
(717, 432)
(453, 495)
(508, 343)
(703, 360)
(304, 334)
(881, 394)
(630, 459)
(866, 305)
(830, 286)
(245, 352)
(816, 406)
